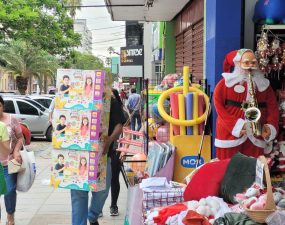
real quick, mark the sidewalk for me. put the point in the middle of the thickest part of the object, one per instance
(44, 205)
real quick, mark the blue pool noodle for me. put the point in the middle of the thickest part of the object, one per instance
(189, 112)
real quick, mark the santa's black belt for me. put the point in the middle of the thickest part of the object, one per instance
(238, 104)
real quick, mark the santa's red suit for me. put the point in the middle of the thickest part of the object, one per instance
(229, 94)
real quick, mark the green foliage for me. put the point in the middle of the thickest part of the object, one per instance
(83, 61)
(23, 59)
(44, 23)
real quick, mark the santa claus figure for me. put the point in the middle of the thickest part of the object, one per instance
(234, 132)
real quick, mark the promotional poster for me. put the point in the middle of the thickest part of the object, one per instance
(80, 122)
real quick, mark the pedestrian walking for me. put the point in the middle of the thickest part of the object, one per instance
(79, 199)
(134, 107)
(16, 139)
(116, 164)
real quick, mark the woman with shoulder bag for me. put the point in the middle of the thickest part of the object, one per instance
(4, 153)
(16, 143)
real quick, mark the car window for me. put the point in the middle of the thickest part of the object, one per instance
(38, 105)
(27, 109)
(9, 107)
(44, 102)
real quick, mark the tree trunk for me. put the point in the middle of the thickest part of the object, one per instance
(40, 83)
(30, 85)
(45, 83)
(22, 84)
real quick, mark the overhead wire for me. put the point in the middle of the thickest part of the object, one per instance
(110, 40)
(104, 28)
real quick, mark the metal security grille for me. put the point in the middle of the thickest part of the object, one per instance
(189, 50)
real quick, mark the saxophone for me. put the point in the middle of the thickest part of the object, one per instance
(250, 107)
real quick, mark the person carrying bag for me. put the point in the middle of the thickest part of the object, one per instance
(15, 144)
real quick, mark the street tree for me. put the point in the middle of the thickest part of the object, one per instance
(72, 6)
(46, 24)
(83, 61)
(25, 61)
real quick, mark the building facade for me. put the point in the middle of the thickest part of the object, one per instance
(80, 27)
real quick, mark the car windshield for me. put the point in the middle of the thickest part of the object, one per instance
(36, 104)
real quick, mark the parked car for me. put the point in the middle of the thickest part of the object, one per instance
(26, 133)
(36, 118)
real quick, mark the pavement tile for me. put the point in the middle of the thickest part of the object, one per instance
(44, 205)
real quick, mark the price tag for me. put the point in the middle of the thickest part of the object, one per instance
(259, 173)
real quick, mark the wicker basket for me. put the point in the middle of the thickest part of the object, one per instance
(260, 216)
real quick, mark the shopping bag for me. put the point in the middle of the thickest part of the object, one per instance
(26, 177)
(134, 214)
(3, 188)
(15, 167)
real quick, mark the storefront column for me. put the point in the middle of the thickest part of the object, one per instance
(223, 23)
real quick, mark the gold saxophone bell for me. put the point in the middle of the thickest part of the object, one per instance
(253, 115)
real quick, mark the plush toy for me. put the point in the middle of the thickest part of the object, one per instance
(193, 205)
(207, 207)
(277, 196)
(269, 11)
(252, 192)
(281, 204)
(240, 197)
(256, 198)
(248, 202)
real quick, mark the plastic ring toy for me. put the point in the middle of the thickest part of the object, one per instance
(179, 122)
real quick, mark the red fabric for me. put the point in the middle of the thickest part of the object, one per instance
(193, 218)
(246, 148)
(207, 180)
(167, 212)
(228, 61)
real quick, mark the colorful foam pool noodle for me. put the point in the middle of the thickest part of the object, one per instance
(189, 111)
(201, 109)
(195, 112)
(174, 111)
(181, 104)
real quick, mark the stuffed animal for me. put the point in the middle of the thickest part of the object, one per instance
(252, 192)
(206, 207)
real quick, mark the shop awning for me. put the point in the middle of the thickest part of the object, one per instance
(137, 10)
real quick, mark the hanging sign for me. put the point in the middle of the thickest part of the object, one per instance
(132, 56)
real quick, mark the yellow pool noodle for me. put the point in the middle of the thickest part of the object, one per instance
(181, 106)
(195, 113)
(185, 80)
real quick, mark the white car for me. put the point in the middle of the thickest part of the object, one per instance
(36, 118)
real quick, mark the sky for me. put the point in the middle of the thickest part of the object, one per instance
(105, 32)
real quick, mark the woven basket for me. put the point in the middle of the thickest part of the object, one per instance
(260, 216)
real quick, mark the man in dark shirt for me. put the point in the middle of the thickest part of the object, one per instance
(79, 199)
(64, 88)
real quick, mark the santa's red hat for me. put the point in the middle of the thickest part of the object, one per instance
(228, 61)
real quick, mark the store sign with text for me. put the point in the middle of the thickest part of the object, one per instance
(132, 56)
(190, 161)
